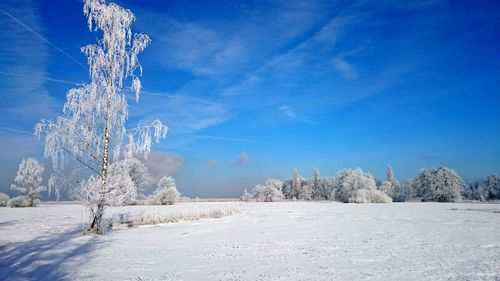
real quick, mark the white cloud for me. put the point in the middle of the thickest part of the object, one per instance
(163, 164)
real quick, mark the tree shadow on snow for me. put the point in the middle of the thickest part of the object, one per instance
(47, 257)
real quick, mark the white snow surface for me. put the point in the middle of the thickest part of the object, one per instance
(264, 241)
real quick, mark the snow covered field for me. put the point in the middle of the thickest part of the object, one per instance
(263, 241)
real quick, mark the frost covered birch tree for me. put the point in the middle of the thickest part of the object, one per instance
(92, 129)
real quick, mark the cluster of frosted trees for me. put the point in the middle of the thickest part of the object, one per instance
(127, 179)
(355, 186)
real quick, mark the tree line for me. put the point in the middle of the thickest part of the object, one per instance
(440, 184)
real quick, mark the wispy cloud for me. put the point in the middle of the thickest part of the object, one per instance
(230, 139)
(41, 37)
(287, 111)
(182, 113)
(23, 58)
(224, 49)
(344, 68)
(18, 131)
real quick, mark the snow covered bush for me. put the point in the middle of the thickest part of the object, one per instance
(127, 177)
(29, 179)
(120, 188)
(491, 187)
(166, 193)
(441, 185)
(348, 184)
(270, 192)
(22, 201)
(246, 197)
(4, 198)
(134, 168)
(369, 196)
(91, 130)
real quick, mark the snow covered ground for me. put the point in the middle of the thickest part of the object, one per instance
(263, 241)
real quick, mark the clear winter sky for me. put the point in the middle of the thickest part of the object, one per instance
(253, 89)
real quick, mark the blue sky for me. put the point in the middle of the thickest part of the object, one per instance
(253, 89)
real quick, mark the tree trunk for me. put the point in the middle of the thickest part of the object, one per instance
(96, 223)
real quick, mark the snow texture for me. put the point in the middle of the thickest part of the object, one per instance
(274, 241)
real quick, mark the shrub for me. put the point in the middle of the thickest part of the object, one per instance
(266, 193)
(4, 198)
(246, 197)
(167, 196)
(166, 193)
(353, 185)
(22, 201)
(369, 196)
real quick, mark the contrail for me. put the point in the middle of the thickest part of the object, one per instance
(16, 131)
(42, 38)
(231, 139)
(45, 78)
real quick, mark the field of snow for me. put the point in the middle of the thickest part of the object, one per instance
(263, 241)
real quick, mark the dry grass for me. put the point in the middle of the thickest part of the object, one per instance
(153, 218)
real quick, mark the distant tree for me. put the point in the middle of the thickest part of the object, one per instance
(134, 169)
(296, 184)
(319, 187)
(28, 180)
(269, 192)
(287, 189)
(353, 185)
(392, 187)
(277, 184)
(388, 188)
(316, 177)
(92, 128)
(246, 196)
(306, 193)
(473, 190)
(4, 198)
(441, 185)
(402, 192)
(491, 187)
(166, 192)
